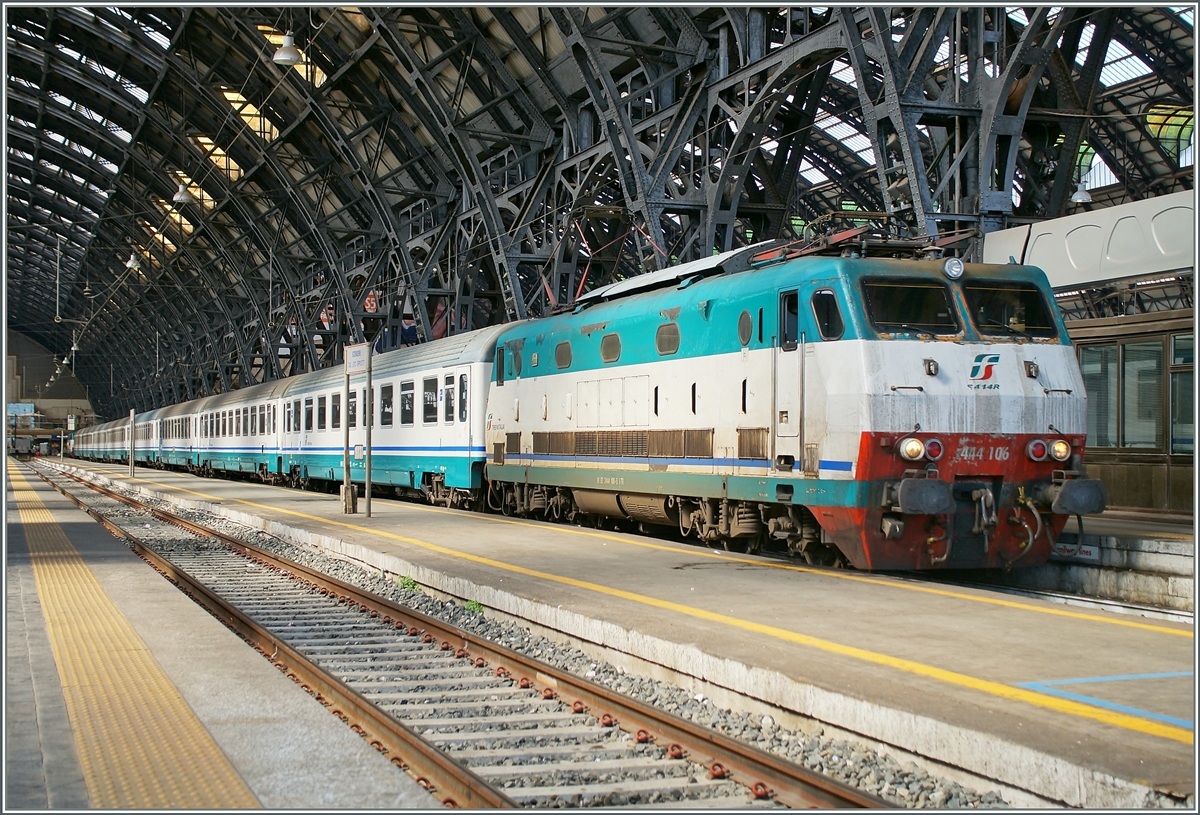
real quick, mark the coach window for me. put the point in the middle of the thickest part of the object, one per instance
(562, 355)
(335, 411)
(666, 339)
(385, 405)
(352, 409)
(287, 419)
(462, 397)
(308, 413)
(610, 347)
(262, 420)
(224, 423)
(829, 315)
(321, 415)
(406, 403)
(429, 401)
(253, 420)
(448, 397)
(296, 416)
(1182, 409)
(789, 321)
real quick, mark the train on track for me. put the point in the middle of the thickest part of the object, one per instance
(881, 412)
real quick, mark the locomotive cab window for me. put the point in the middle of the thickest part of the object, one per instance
(789, 321)
(828, 314)
(1009, 309)
(910, 306)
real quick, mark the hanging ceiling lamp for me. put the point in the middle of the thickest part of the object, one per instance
(288, 54)
(183, 195)
(133, 262)
(1081, 196)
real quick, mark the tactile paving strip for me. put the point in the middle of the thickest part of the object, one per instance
(139, 744)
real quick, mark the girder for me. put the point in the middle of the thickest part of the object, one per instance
(430, 170)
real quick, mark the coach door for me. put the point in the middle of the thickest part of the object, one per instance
(789, 357)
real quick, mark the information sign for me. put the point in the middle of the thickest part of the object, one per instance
(356, 358)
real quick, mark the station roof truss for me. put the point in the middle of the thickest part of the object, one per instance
(193, 217)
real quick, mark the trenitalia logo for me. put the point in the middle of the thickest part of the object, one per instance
(982, 369)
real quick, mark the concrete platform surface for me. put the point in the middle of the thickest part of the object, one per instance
(1086, 708)
(289, 750)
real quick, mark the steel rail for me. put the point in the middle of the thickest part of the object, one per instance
(433, 769)
(767, 776)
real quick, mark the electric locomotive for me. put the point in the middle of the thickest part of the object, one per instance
(882, 412)
(889, 413)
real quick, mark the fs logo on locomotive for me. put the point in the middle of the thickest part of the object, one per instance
(981, 371)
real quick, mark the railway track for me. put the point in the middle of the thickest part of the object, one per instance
(476, 723)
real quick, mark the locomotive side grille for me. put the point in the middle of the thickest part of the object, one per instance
(498, 453)
(512, 443)
(541, 442)
(608, 442)
(633, 443)
(585, 443)
(562, 444)
(752, 442)
(698, 443)
(665, 443)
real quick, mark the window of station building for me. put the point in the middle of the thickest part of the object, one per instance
(666, 339)
(562, 355)
(352, 409)
(406, 403)
(335, 411)
(828, 315)
(900, 306)
(1182, 407)
(610, 347)
(385, 405)
(321, 412)
(308, 413)
(429, 400)
(1009, 309)
(1099, 367)
(448, 400)
(1142, 394)
(462, 397)
(789, 321)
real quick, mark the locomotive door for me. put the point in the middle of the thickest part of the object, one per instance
(788, 360)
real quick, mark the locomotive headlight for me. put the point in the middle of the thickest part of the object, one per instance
(912, 449)
(953, 267)
(1060, 450)
(1036, 449)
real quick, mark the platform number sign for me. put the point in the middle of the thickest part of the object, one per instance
(356, 358)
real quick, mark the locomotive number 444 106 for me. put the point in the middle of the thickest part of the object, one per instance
(972, 453)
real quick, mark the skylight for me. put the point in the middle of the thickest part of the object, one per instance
(218, 157)
(251, 115)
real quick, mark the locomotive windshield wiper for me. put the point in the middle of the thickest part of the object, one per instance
(911, 328)
(1008, 328)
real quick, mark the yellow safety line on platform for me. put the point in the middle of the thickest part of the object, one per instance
(764, 563)
(139, 744)
(997, 689)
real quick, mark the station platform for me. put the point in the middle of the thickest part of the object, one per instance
(1059, 705)
(121, 692)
